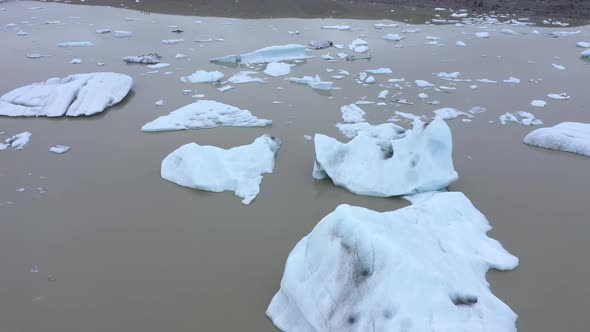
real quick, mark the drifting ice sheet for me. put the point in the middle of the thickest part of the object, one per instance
(420, 268)
(18, 141)
(420, 161)
(566, 136)
(201, 76)
(76, 44)
(210, 168)
(276, 69)
(267, 54)
(205, 114)
(80, 94)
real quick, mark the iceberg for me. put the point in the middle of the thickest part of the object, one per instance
(314, 82)
(148, 59)
(419, 268)
(244, 77)
(75, 95)
(18, 141)
(352, 113)
(276, 69)
(205, 114)
(210, 168)
(76, 44)
(267, 54)
(567, 136)
(201, 76)
(419, 161)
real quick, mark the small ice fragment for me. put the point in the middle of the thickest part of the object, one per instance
(510, 80)
(482, 34)
(103, 31)
(225, 88)
(181, 56)
(158, 65)
(460, 43)
(159, 103)
(583, 44)
(452, 75)
(59, 149)
(172, 41)
(319, 44)
(538, 103)
(370, 80)
(76, 44)
(422, 96)
(380, 71)
(352, 113)
(244, 77)
(19, 141)
(381, 25)
(423, 84)
(337, 27)
(122, 34)
(473, 87)
(20, 190)
(485, 80)
(448, 113)
(358, 46)
(585, 54)
(76, 61)
(393, 37)
(35, 269)
(307, 137)
(313, 82)
(559, 96)
(383, 94)
(276, 69)
(151, 58)
(201, 76)
(507, 117)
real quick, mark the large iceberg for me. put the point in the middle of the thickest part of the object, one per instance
(205, 114)
(419, 161)
(80, 94)
(420, 268)
(267, 54)
(210, 168)
(566, 136)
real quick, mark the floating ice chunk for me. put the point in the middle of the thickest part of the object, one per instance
(559, 96)
(556, 66)
(225, 88)
(313, 82)
(307, 137)
(149, 59)
(319, 44)
(439, 9)
(460, 43)
(328, 57)
(244, 77)
(352, 113)
(420, 268)
(180, 56)
(19, 141)
(208, 39)
(529, 119)
(122, 34)
(411, 30)
(59, 149)
(384, 131)
(393, 37)
(267, 54)
(76, 44)
(210, 168)
(379, 71)
(510, 80)
(358, 46)
(459, 15)
(276, 69)
(383, 94)
(452, 75)
(103, 31)
(538, 103)
(370, 80)
(201, 76)
(158, 65)
(422, 96)
(507, 117)
(420, 161)
(508, 32)
(585, 54)
(473, 87)
(52, 22)
(76, 61)
(567, 136)
(37, 56)
(80, 94)
(337, 27)
(172, 41)
(448, 113)
(381, 25)
(485, 80)
(566, 33)
(482, 34)
(205, 114)
(159, 103)
(423, 84)
(583, 44)
(477, 110)
(431, 38)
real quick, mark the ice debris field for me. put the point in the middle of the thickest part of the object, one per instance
(358, 269)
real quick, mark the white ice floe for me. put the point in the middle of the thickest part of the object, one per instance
(423, 84)
(566, 136)
(122, 34)
(452, 75)
(202, 76)
(225, 88)
(76, 44)
(419, 268)
(411, 30)
(384, 131)
(319, 44)
(566, 33)
(508, 32)
(460, 43)
(336, 27)
(210, 168)
(528, 119)
(80, 94)
(383, 94)
(556, 66)
(419, 161)
(180, 56)
(358, 46)
(352, 113)
(485, 80)
(538, 103)
(205, 114)
(158, 65)
(448, 113)
(159, 102)
(314, 82)
(381, 25)
(103, 31)
(76, 61)
(276, 69)
(583, 44)
(393, 37)
(244, 77)
(172, 41)
(59, 149)
(379, 71)
(18, 141)
(148, 59)
(482, 34)
(585, 54)
(422, 95)
(559, 96)
(267, 54)
(510, 80)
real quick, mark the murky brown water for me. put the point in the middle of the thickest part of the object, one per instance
(132, 252)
